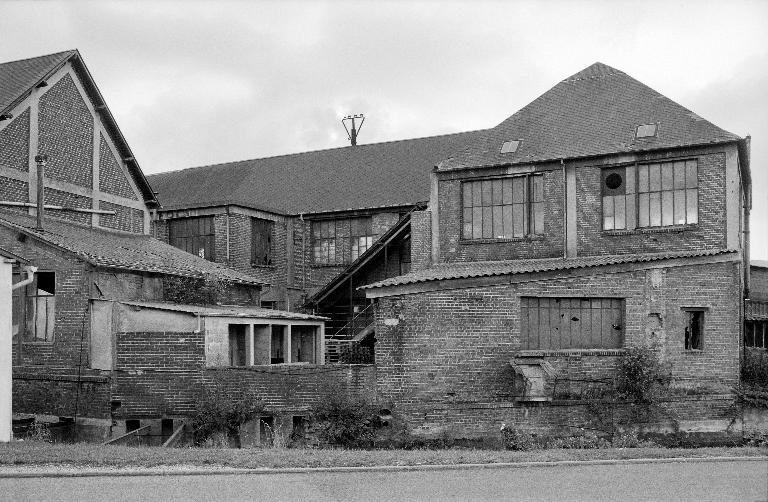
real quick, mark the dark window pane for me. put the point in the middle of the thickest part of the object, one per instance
(497, 195)
(691, 174)
(467, 194)
(642, 179)
(667, 209)
(487, 222)
(667, 172)
(692, 205)
(507, 216)
(655, 209)
(467, 223)
(679, 175)
(679, 207)
(477, 223)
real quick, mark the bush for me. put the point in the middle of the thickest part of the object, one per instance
(217, 411)
(517, 439)
(343, 420)
(640, 375)
(584, 441)
(754, 368)
(631, 440)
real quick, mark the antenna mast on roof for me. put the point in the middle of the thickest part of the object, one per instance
(352, 135)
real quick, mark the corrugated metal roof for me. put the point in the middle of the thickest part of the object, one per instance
(122, 250)
(466, 270)
(594, 112)
(225, 311)
(394, 173)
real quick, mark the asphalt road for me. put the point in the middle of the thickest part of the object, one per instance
(699, 481)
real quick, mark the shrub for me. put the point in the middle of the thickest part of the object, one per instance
(584, 441)
(640, 375)
(347, 421)
(218, 411)
(631, 440)
(754, 368)
(517, 439)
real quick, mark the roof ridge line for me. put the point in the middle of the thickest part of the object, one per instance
(318, 151)
(39, 57)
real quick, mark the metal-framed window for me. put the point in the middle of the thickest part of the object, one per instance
(650, 195)
(503, 208)
(756, 334)
(194, 235)
(261, 241)
(339, 242)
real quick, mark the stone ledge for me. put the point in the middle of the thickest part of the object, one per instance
(21, 375)
(569, 353)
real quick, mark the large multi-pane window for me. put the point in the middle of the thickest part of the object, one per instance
(338, 242)
(650, 195)
(503, 208)
(261, 241)
(193, 235)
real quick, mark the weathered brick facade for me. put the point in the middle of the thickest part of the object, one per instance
(14, 143)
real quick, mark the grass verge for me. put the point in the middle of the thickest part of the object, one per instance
(82, 455)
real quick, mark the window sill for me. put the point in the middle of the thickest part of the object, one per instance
(329, 265)
(569, 352)
(256, 265)
(35, 342)
(693, 352)
(652, 230)
(530, 238)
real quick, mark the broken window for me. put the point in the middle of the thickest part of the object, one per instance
(756, 334)
(193, 235)
(503, 208)
(33, 308)
(237, 345)
(261, 241)
(571, 323)
(694, 329)
(650, 195)
(338, 242)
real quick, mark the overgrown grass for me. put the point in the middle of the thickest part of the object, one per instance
(40, 454)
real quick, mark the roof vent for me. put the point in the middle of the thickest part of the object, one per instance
(645, 131)
(511, 146)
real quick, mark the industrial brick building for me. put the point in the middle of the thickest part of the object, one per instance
(119, 330)
(600, 216)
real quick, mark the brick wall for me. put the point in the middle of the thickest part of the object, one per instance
(111, 177)
(14, 143)
(454, 346)
(67, 199)
(421, 239)
(15, 191)
(158, 373)
(709, 233)
(125, 218)
(454, 248)
(51, 391)
(66, 134)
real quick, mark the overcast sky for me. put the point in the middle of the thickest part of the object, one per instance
(198, 83)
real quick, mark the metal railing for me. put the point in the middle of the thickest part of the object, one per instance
(359, 322)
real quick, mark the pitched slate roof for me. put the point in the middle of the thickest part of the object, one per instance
(394, 173)
(18, 78)
(594, 112)
(226, 311)
(124, 251)
(466, 270)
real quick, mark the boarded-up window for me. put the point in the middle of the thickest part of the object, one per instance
(571, 323)
(261, 241)
(193, 235)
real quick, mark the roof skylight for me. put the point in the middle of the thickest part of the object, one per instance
(510, 146)
(645, 131)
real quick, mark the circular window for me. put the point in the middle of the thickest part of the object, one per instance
(613, 181)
